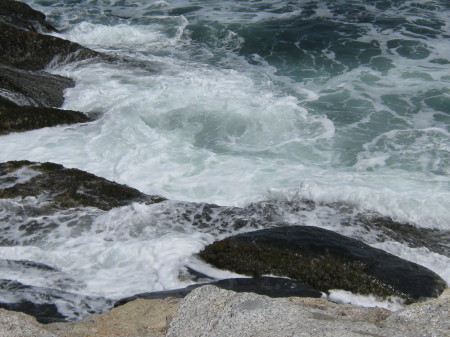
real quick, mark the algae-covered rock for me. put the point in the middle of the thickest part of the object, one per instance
(33, 51)
(324, 260)
(67, 188)
(14, 118)
(20, 15)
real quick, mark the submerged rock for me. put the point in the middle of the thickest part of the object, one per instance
(14, 118)
(20, 15)
(49, 304)
(68, 188)
(324, 260)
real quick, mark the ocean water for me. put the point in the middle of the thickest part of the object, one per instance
(235, 102)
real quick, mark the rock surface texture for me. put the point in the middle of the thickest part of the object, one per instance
(17, 324)
(24, 55)
(210, 311)
(324, 260)
(20, 15)
(138, 318)
(65, 188)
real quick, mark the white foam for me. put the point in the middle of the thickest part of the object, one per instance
(342, 296)
(118, 255)
(207, 124)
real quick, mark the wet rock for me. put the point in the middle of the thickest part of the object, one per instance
(324, 260)
(389, 230)
(68, 188)
(24, 52)
(268, 286)
(14, 118)
(33, 51)
(20, 15)
(48, 275)
(48, 304)
(33, 88)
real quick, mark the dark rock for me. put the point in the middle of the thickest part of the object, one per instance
(14, 118)
(33, 51)
(434, 239)
(44, 313)
(20, 15)
(41, 302)
(323, 260)
(67, 188)
(33, 88)
(53, 277)
(184, 10)
(268, 286)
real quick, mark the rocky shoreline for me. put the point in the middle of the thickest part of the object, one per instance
(211, 311)
(315, 260)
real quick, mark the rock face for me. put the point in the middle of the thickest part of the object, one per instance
(20, 15)
(66, 188)
(24, 53)
(210, 311)
(16, 324)
(20, 86)
(14, 118)
(138, 318)
(33, 51)
(324, 260)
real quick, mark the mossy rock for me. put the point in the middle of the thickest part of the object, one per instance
(324, 260)
(68, 188)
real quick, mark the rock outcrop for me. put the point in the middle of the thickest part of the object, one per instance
(210, 311)
(33, 51)
(32, 88)
(20, 15)
(15, 118)
(66, 188)
(17, 324)
(24, 54)
(324, 260)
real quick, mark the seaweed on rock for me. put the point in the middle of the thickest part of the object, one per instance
(323, 260)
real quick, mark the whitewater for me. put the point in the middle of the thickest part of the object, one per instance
(236, 102)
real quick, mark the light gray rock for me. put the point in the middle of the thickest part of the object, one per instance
(17, 324)
(430, 318)
(210, 311)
